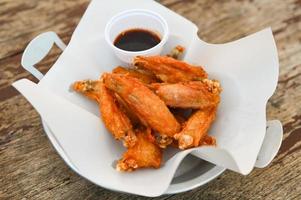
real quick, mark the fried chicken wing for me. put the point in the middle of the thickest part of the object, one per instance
(195, 129)
(170, 70)
(114, 119)
(150, 109)
(144, 154)
(143, 75)
(127, 110)
(195, 94)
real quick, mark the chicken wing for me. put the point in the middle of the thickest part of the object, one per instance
(127, 110)
(150, 109)
(170, 70)
(143, 75)
(114, 119)
(144, 154)
(195, 129)
(195, 94)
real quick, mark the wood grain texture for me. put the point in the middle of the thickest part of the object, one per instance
(31, 169)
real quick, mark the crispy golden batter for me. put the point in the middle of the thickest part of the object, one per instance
(143, 75)
(114, 119)
(144, 154)
(196, 94)
(195, 128)
(150, 109)
(127, 110)
(170, 70)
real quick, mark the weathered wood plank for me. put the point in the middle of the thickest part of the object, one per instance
(21, 21)
(31, 169)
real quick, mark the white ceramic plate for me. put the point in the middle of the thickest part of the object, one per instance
(192, 172)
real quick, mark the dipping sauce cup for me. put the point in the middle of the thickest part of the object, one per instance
(136, 19)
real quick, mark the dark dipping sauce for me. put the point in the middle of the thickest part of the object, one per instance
(136, 40)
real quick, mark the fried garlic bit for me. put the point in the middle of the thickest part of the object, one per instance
(176, 52)
(148, 107)
(213, 86)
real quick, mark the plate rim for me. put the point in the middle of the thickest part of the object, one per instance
(172, 188)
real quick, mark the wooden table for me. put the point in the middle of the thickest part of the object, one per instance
(31, 169)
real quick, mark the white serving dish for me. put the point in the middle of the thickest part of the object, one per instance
(192, 173)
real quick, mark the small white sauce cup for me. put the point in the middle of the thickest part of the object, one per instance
(132, 19)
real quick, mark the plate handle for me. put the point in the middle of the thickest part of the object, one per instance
(37, 49)
(271, 144)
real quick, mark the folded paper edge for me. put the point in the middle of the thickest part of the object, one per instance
(263, 101)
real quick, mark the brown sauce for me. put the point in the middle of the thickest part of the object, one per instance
(136, 40)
